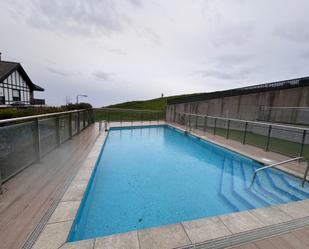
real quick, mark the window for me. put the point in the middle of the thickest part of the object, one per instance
(2, 99)
(16, 95)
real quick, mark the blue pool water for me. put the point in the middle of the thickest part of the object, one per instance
(152, 176)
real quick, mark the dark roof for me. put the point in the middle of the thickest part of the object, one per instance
(278, 85)
(7, 67)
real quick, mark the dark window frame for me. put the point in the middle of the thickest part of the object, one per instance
(16, 98)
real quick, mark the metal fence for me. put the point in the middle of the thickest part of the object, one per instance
(25, 140)
(288, 115)
(127, 115)
(287, 140)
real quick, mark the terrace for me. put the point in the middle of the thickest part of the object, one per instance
(39, 204)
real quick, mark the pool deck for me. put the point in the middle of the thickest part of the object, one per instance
(29, 195)
(225, 230)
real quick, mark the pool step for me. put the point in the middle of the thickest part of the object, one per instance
(227, 188)
(259, 188)
(252, 235)
(244, 188)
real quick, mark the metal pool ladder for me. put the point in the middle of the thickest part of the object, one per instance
(280, 163)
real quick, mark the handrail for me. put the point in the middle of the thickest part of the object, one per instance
(273, 165)
(12, 120)
(249, 122)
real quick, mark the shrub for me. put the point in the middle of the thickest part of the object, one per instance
(15, 112)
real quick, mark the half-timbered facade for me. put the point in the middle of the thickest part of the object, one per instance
(15, 85)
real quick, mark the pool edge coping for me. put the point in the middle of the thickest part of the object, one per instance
(56, 231)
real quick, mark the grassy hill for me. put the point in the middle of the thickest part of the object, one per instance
(157, 104)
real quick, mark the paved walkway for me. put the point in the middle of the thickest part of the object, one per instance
(29, 195)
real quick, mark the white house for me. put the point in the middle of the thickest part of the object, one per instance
(16, 87)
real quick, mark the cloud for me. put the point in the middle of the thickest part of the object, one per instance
(149, 34)
(294, 31)
(232, 34)
(136, 2)
(304, 55)
(61, 72)
(117, 51)
(91, 17)
(233, 58)
(100, 75)
(222, 74)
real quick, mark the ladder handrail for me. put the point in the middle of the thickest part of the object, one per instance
(273, 165)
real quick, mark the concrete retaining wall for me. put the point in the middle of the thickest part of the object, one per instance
(247, 106)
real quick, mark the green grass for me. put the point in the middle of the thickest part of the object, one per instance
(158, 104)
(128, 115)
(147, 110)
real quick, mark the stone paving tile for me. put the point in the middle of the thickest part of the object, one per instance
(164, 237)
(270, 215)
(84, 174)
(118, 241)
(297, 209)
(83, 244)
(205, 229)
(76, 191)
(241, 221)
(65, 211)
(90, 162)
(95, 151)
(53, 236)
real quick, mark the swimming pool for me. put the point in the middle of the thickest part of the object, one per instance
(156, 175)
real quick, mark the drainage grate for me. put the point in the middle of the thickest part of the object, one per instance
(244, 237)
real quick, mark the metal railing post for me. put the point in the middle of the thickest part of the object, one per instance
(93, 115)
(215, 126)
(57, 130)
(302, 143)
(1, 192)
(268, 138)
(88, 117)
(100, 125)
(36, 140)
(196, 122)
(189, 120)
(78, 122)
(205, 123)
(228, 129)
(84, 120)
(245, 133)
(70, 125)
(305, 175)
(105, 124)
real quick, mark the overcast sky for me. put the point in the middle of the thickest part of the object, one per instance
(120, 50)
